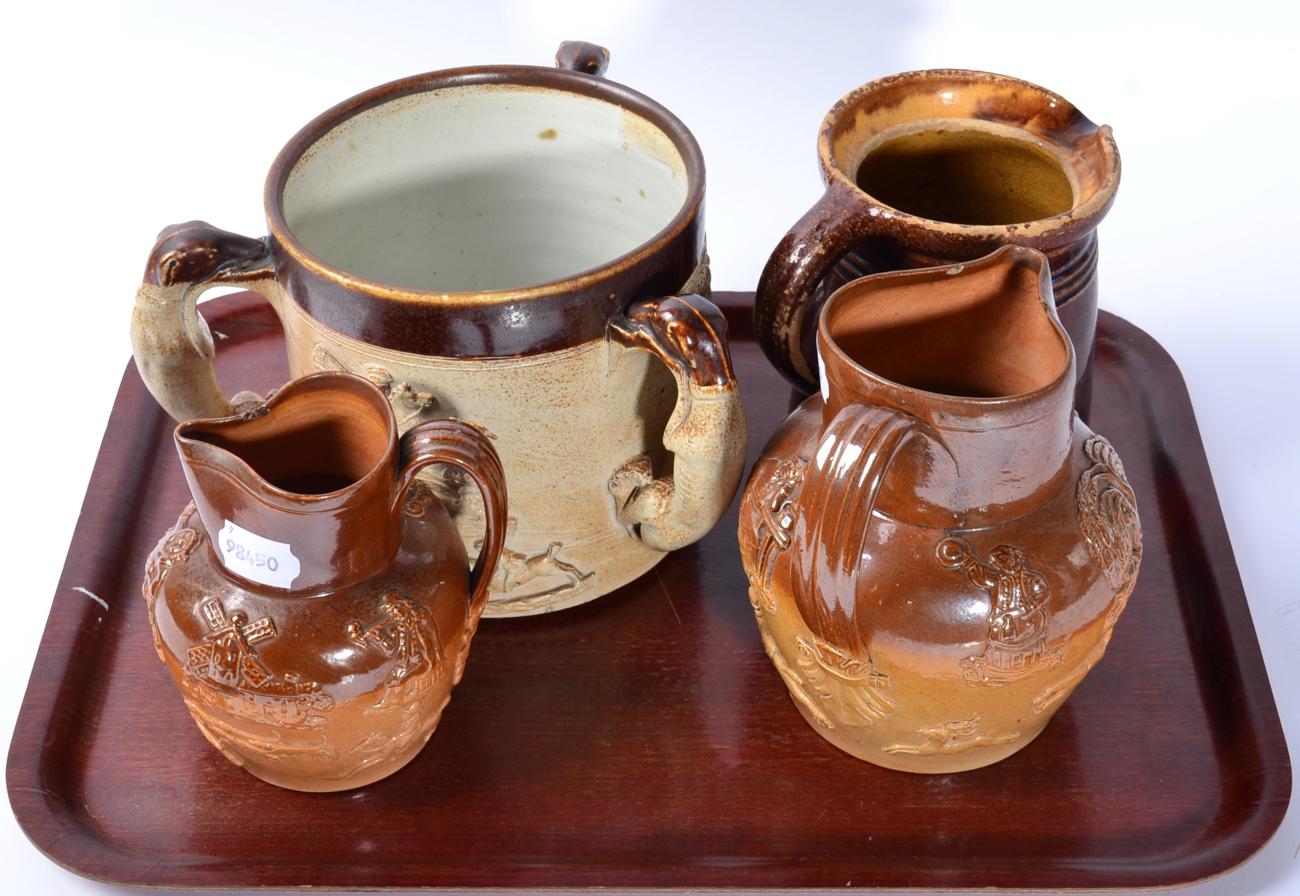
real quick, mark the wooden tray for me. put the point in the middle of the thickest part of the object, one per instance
(645, 740)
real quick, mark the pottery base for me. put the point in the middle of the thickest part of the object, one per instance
(940, 764)
(312, 784)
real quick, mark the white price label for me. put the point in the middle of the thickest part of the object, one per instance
(256, 558)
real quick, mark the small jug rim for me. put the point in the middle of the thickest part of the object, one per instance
(335, 499)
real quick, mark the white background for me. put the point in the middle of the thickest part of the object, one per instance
(120, 119)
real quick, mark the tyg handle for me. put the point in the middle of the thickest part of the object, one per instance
(580, 56)
(841, 484)
(706, 433)
(170, 339)
(467, 447)
(783, 303)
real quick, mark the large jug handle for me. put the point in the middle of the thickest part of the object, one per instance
(707, 433)
(842, 219)
(468, 448)
(841, 483)
(170, 339)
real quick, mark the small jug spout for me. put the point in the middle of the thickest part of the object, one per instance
(298, 493)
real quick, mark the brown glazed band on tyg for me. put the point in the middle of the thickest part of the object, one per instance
(496, 323)
(479, 324)
(957, 122)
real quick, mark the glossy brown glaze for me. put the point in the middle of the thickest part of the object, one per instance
(580, 56)
(313, 605)
(657, 709)
(197, 251)
(938, 549)
(706, 433)
(688, 333)
(939, 167)
(485, 324)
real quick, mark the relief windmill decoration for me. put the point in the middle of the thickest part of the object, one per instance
(229, 674)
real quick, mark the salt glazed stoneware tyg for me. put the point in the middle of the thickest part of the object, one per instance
(938, 548)
(314, 605)
(939, 167)
(515, 245)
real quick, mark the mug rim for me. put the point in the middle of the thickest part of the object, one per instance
(1041, 233)
(523, 76)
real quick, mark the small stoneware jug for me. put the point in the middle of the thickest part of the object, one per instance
(937, 547)
(314, 605)
(941, 167)
(515, 245)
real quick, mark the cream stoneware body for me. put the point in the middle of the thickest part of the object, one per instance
(938, 548)
(518, 246)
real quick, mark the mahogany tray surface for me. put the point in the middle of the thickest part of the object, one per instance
(645, 740)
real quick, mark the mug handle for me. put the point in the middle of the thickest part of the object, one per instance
(840, 220)
(706, 433)
(842, 481)
(170, 339)
(467, 447)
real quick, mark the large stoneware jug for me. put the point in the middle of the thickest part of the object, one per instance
(938, 548)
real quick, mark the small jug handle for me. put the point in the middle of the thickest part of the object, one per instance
(580, 56)
(170, 339)
(467, 447)
(842, 481)
(706, 433)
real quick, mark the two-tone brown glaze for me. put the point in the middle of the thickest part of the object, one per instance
(941, 167)
(659, 710)
(707, 432)
(313, 605)
(938, 548)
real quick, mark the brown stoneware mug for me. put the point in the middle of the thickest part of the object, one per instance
(941, 167)
(314, 605)
(514, 245)
(938, 548)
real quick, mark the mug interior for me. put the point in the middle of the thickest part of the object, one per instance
(966, 175)
(484, 187)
